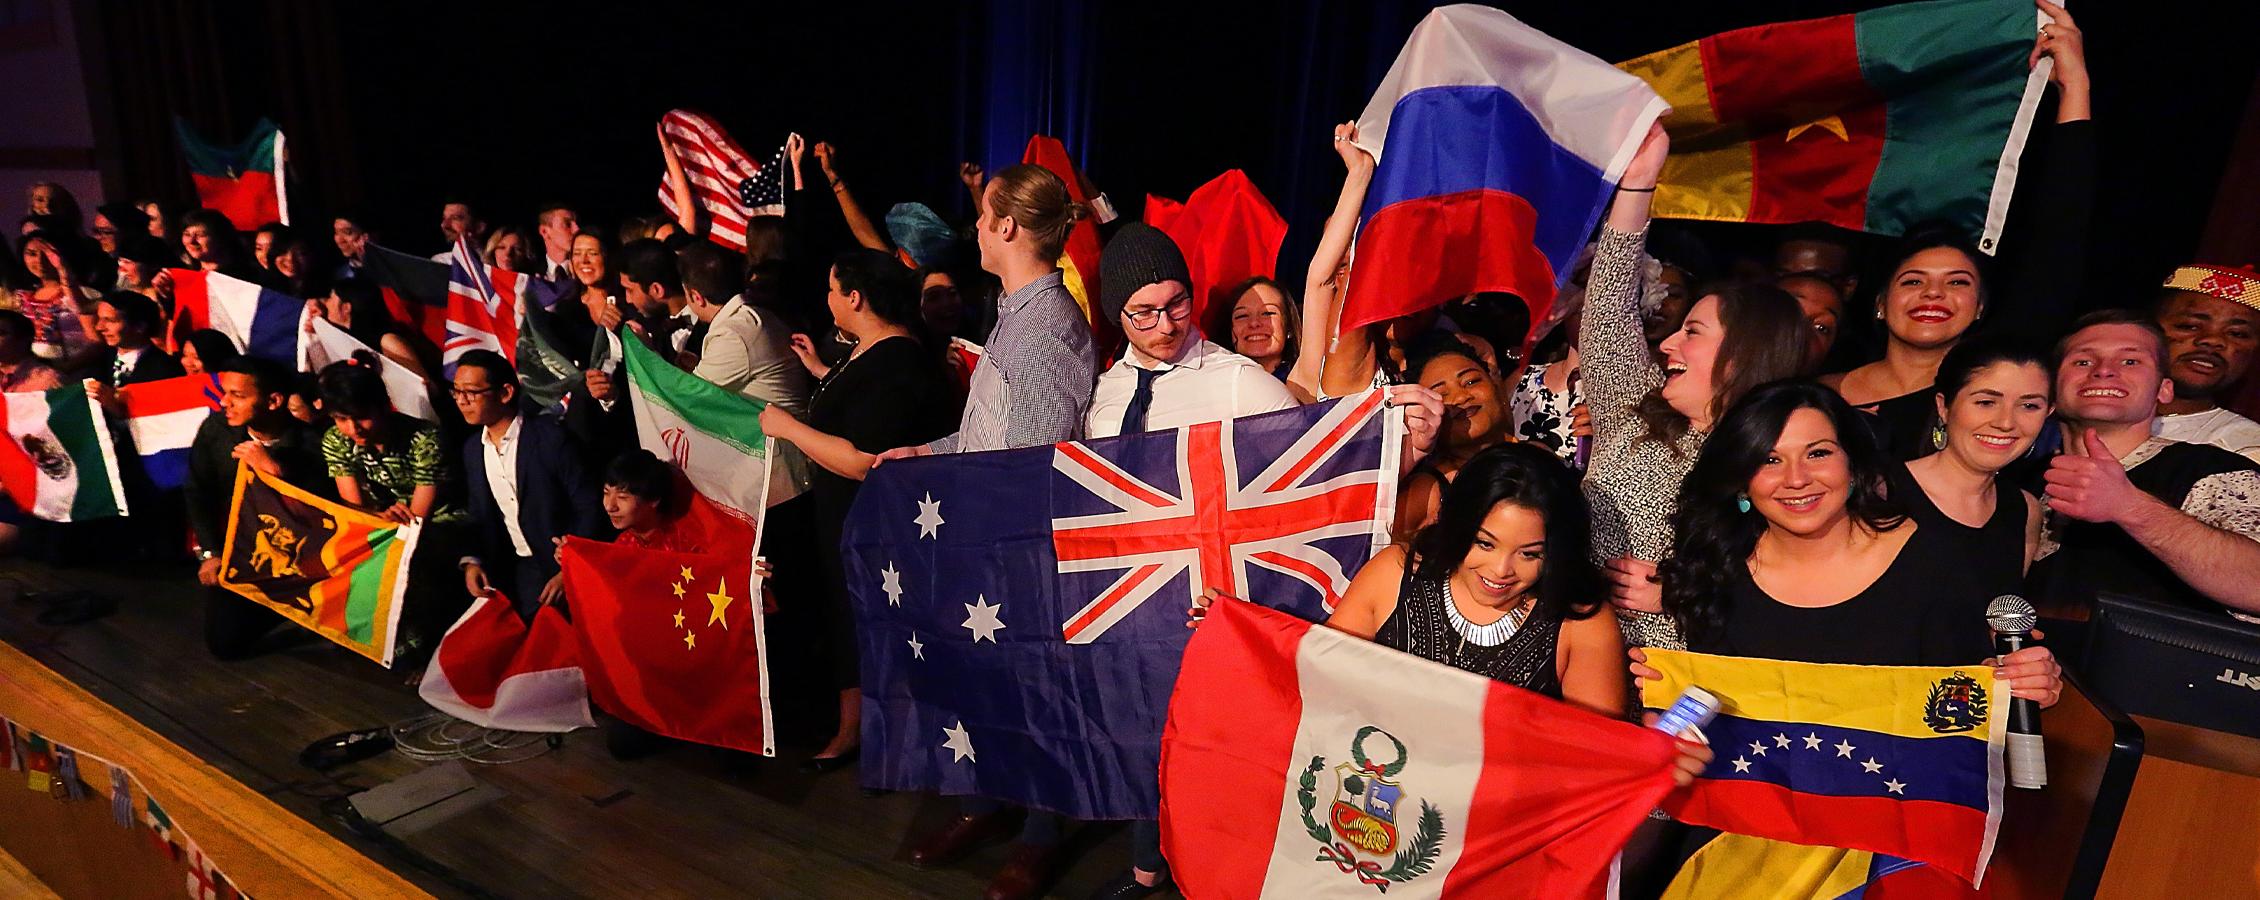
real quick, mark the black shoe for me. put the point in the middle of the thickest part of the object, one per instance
(345, 747)
(825, 765)
(1126, 887)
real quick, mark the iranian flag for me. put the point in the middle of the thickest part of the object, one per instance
(58, 464)
(713, 435)
(244, 182)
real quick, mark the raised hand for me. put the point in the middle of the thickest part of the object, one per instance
(1346, 146)
(2060, 39)
(824, 153)
(970, 174)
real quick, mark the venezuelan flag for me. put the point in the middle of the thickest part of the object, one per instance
(1902, 761)
(1747, 868)
(1872, 121)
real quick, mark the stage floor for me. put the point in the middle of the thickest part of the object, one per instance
(571, 823)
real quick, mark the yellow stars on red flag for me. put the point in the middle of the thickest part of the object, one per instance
(718, 602)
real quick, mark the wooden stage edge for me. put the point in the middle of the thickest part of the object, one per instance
(258, 845)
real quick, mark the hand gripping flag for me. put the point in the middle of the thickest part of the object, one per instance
(260, 322)
(1228, 232)
(672, 642)
(1304, 762)
(244, 182)
(163, 417)
(494, 670)
(335, 570)
(1871, 121)
(58, 464)
(726, 184)
(1898, 761)
(321, 343)
(1498, 147)
(1021, 612)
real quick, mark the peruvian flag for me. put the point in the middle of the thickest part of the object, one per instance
(495, 671)
(1303, 762)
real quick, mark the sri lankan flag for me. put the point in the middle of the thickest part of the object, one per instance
(1900, 764)
(1873, 121)
(336, 570)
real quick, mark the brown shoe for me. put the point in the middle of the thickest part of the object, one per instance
(1027, 875)
(962, 836)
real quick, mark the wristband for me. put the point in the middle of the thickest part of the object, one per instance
(1645, 190)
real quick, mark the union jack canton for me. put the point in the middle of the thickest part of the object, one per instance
(1021, 613)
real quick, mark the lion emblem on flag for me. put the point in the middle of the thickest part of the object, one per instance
(1364, 825)
(275, 548)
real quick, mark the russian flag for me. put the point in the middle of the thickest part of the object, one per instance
(163, 416)
(261, 322)
(1502, 146)
(1300, 761)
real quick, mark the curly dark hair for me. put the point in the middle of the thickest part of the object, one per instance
(1526, 475)
(1712, 538)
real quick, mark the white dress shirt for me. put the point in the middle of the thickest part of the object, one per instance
(502, 481)
(1206, 383)
(2219, 427)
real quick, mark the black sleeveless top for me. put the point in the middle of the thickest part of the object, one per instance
(1421, 626)
(1904, 424)
(1926, 609)
(1994, 553)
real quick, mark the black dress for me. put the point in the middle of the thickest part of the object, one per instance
(1993, 554)
(894, 394)
(1926, 609)
(1421, 626)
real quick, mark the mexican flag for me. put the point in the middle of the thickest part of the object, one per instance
(335, 570)
(713, 435)
(58, 464)
(244, 182)
(1872, 121)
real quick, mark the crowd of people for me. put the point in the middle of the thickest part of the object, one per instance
(1693, 457)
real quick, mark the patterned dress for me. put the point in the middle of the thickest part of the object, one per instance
(1541, 416)
(1631, 480)
(1427, 625)
(392, 475)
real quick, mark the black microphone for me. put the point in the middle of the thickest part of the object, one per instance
(2011, 619)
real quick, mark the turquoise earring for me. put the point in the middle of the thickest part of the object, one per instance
(1742, 502)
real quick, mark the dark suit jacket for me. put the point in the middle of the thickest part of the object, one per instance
(152, 365)
(557, 496)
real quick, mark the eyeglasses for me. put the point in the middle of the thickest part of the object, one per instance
(1179, 310)
(468, 393)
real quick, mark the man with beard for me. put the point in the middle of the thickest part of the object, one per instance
(2212, 320)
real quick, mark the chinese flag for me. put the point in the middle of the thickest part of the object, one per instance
(1228, 232)
(670, 642)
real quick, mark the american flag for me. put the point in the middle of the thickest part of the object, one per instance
(1022, 612)
(725, 183)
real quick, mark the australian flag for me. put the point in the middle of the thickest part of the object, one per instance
(1022, 612)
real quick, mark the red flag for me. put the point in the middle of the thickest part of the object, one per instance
(1303, 762)
(1081, 262)
(1228, 232)
(493, 670)
(669, 641)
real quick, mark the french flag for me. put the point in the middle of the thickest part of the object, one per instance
(1497, 149)
(163, 416)
(261, 322)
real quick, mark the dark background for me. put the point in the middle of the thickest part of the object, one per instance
(391, 106)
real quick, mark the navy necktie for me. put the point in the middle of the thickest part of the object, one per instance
(1134, 415)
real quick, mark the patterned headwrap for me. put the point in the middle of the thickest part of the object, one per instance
(2240, 286)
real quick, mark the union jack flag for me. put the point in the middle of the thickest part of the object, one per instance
(1217, 523)
(484, 307)
(1021, 613)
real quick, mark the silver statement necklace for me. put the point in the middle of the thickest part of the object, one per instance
(1491, 635)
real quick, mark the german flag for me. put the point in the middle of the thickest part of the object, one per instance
(336, 570)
